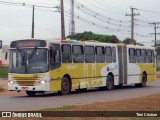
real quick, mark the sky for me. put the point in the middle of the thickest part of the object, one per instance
(99, 16)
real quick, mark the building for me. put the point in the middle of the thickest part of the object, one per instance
(4, 54)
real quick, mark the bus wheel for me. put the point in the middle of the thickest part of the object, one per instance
(110, 82)
(65, 86)
(144, 81)
(31, 93)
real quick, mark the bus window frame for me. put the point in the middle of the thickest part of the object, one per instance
(109, 56)
(86, 54)
(77, 54)
(102, 54)
(69, 54)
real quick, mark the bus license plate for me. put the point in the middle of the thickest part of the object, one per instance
(24, 88)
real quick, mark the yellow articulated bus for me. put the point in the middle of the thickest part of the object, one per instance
(65, 65)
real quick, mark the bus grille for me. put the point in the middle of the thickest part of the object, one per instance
(26, 81)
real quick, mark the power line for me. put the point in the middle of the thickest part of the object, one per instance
(100, 7)
(155, 33)
(149, 11)
(95, 15)
(80, 5)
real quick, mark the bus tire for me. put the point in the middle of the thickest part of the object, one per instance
(110, 82)
(31, 93)
(65, 86)
(144, 81)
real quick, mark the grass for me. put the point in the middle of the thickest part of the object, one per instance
(3, 72)
(147, 103)
(1, 89)
(63, 108)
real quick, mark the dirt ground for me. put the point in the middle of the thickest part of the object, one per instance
(147, 103)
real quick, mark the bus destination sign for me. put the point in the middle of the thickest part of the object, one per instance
(28, 43)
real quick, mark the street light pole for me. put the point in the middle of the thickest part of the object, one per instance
(62, 22)
(32, 35)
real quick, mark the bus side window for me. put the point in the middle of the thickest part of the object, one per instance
(153, 56)
(66, 54)
(149, 53)
(108, 54)
(139, 58)
(144, 56)
(132, 55)
(114, 54)
(100, 54)
(78, 56)
(89, 54)
(55, 56)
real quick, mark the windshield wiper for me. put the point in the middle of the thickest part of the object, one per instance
(32, 54)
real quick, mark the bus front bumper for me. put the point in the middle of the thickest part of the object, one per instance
(45, 87)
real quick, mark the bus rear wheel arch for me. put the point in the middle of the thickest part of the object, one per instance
(143, 81)
(110, 82)
(65, 86)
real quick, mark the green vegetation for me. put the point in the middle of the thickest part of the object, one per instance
(158, 67)
(64, 108)
(129, 41)
(98, 37)
(85, 36)
(3, 72)
(1, 89)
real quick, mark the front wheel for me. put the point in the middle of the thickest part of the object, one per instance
(31, 93)
(110, 82)
(65, 86)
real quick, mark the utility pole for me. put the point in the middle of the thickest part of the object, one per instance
(32, 35)
(62, 22)
(72, 21)
(132, 21)
(155, 32)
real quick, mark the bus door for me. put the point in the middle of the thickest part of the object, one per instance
(122, 60)
(55, 64)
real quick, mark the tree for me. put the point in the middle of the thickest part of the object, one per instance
(158, 51)
(91, 36)
(129, 41)
(114, 39)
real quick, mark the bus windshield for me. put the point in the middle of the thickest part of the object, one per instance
(28, 60)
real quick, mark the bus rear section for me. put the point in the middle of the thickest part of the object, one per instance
(136, 65)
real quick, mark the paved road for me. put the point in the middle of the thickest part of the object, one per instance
(21, 102)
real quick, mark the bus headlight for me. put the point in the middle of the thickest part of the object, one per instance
(43, 83)
(40, 83)
(11, 83)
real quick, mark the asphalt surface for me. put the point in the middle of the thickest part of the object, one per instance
(21, 102)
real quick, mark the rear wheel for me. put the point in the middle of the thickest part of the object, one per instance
(144, 81)
(31, 93)
(110, 82)
(65, 86)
